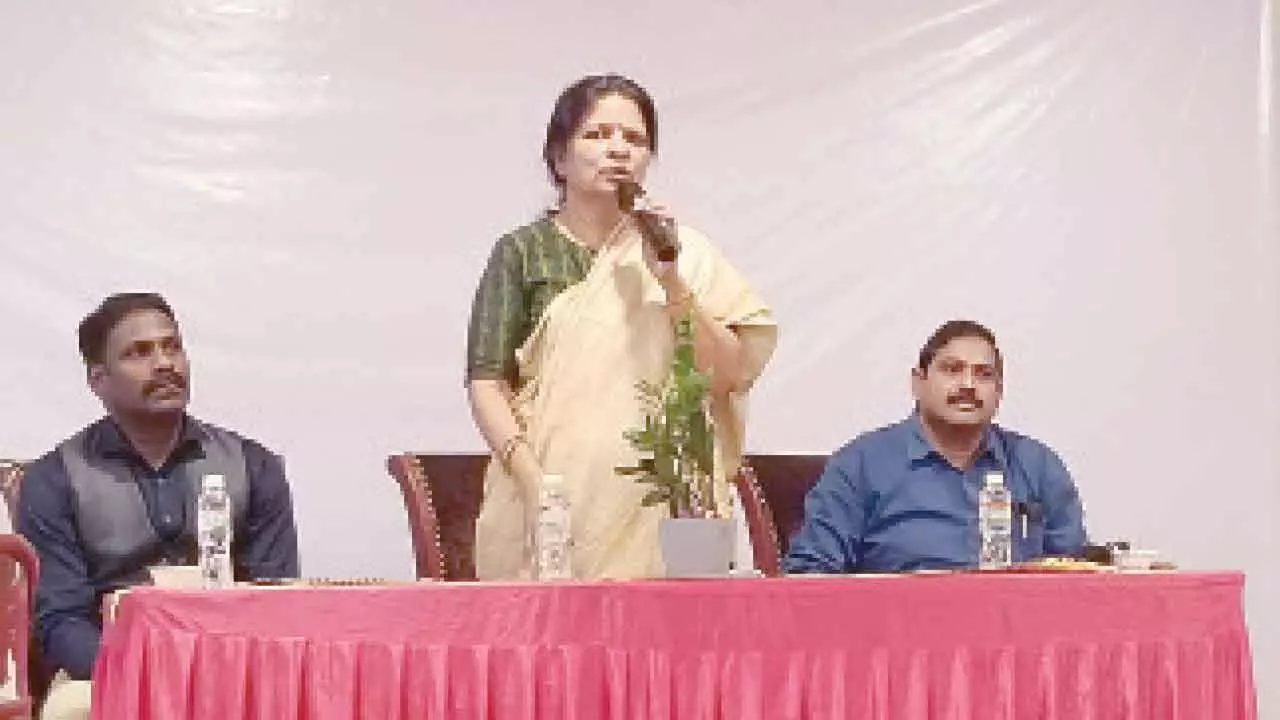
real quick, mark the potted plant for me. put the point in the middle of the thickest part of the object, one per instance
(676, 449)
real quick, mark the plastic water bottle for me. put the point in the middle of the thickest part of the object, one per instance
(213, 532)
(554, 539)
(995, 523)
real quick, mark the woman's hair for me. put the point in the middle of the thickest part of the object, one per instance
(576, 103)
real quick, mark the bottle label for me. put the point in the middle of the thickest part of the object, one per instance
(214, 537)
(995, 526)
(553, 534)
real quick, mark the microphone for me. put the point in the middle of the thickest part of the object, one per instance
(655, 230)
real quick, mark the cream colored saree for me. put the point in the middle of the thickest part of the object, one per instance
(580, 367)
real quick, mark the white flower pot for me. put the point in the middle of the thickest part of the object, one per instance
(696, 547)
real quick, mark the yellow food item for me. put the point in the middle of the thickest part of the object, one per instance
(1064, 563)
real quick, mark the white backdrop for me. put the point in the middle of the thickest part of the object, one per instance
(315, 186)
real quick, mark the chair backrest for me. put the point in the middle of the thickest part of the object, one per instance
(784, 480)
(764, 533)
(457, 487)
(35, 676)
(10, 486)
(19, 574)
(424, 529)
(454, 482)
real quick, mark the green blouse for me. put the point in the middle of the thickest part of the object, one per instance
(527, 269)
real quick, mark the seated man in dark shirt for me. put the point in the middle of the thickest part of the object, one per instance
(905, 497)
(119, 496)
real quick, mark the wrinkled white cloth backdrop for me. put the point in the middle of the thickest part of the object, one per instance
(316, 185)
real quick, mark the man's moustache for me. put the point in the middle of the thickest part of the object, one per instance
(164, 381)
(968, 398)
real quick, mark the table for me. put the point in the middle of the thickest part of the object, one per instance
(972, 646)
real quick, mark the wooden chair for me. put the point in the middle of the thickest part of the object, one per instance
(765, 549)
(38, 678)
(19, 574)
(451, 485)
(784, 480)
(424, 526)
(10, 484)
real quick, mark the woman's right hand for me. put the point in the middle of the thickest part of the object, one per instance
(527, 474)
(491, 406)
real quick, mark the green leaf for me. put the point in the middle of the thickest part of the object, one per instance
(656, 496)
(676, 446)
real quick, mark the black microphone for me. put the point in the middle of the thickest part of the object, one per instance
(656, 230)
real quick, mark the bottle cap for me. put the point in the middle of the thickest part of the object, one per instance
(993, 479)
(213, 482)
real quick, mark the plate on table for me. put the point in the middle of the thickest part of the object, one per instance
(1055, 565)
(327, 582)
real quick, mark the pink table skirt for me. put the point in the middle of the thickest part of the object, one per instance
(960, 647)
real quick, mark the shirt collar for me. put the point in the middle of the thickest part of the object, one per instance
(109, 440)
(919, 447)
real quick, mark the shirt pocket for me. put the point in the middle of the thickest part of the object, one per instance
(1028, 528)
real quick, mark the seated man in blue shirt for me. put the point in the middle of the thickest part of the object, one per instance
(905, 497)
(119, 496)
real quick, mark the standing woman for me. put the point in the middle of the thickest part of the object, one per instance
(571, 312)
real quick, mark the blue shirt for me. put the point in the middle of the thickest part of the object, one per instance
(67, 603)
(888, 501)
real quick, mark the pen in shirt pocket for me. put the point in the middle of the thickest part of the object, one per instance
(1027, 512)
